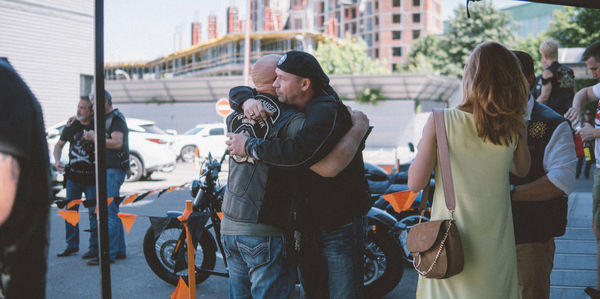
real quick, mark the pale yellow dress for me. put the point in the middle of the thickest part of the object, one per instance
(483, 215)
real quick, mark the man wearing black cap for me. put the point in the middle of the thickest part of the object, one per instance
(332, 219)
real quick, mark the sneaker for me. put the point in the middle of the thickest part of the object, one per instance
(121, 256)
(88, 255)
(96, 261)
(67, 252)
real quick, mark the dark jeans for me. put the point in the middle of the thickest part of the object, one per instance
(74, 191)
(331, 261)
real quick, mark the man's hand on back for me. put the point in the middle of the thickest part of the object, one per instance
(254, 108)
(236, 144)
(359, 120)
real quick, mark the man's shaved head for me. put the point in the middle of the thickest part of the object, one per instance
(263, 73)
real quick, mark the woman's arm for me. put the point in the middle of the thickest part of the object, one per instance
(521, 158)
(419, 171)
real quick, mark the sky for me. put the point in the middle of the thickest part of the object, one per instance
(142, 30)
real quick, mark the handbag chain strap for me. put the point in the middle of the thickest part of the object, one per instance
(437, 255)
(443, 155)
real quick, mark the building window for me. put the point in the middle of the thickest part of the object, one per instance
(397, 18)
(416, 34)
(322, 6)
(396, 35)
(416, 2)
(397, 51)
(395, 67)
(354, 12)
(354, 28)
(376, 36)
(416, 18)
(346, 12)
(376, 53)
(395, 3)
(376, 4)
(376, 20)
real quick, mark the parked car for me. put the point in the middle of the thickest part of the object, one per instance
(206, 138)
(150, 147)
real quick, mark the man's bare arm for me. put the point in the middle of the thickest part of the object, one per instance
(57, 153)
(546, 88)
(115, 141)
(9, 176)
(538, 190)
(345, 150)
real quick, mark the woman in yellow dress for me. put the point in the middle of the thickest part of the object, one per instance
(486, 140)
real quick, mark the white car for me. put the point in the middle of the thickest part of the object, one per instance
(150, 148)
(207, 138)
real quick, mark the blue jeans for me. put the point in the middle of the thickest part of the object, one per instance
(116, 234)
(74, 191)
(331, 261)
(259, 267)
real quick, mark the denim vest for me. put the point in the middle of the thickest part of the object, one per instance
(248, 178)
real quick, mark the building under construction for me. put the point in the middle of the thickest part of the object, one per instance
(221, 56)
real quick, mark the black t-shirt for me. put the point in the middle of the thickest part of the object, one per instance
(81, 167)
(23, 237)
(118, 158)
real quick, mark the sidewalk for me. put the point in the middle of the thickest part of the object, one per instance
(575, 258)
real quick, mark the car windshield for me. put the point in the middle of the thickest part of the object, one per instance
(153, 129)
(193, 131)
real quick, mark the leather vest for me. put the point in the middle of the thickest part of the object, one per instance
(248, 178)
(563, 88)
(538, 221)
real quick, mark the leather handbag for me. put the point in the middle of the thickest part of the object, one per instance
(435, 245)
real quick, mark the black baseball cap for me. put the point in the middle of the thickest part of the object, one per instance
(303, 65)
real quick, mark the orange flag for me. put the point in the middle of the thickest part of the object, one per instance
(402, 200)
(127, 220)
(70, 216)
(185, 216)
(108, 202)
(181, 291)
(129, 199)
(74, 202)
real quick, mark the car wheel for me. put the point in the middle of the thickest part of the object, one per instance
(136, 167)
(188, 153)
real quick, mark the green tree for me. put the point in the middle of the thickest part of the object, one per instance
(449, 53)
(575, 27)
(531, 46)
(347, 56)
(427, 55)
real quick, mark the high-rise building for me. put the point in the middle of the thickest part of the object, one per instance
(389, 27)
(213, 31)
(233, 19)
(196, 33)
(268, 15)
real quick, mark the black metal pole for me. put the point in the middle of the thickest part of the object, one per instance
(99, 119)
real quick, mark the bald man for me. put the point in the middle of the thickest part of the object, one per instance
(260, 201)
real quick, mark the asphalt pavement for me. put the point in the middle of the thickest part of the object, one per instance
(131, 278)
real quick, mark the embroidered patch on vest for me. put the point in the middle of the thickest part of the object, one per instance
(537, 129)
(255, 127)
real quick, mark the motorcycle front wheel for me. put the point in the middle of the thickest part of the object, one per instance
(158, 252)
(383, 264)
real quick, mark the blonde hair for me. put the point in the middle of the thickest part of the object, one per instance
(496, 89)
(549, 48)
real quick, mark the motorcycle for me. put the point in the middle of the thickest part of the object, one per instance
(380, 184)
(166, 254)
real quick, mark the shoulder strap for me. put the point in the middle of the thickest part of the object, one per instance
(442, 145)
